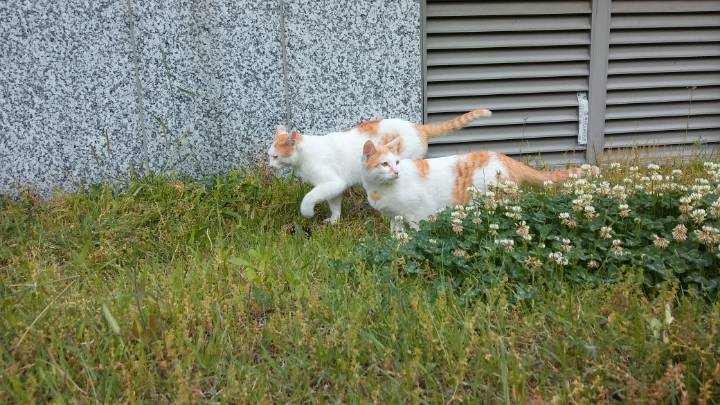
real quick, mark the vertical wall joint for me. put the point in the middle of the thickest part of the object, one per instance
(283, 52)
(597, 92)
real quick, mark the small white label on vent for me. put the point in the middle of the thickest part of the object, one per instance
(582, 118)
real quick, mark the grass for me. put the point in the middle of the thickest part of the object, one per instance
(180, 291)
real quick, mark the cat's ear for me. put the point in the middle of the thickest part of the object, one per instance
(294, 136)
(368, 149)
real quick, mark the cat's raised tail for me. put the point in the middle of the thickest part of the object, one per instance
(522, 173)
(444, 128)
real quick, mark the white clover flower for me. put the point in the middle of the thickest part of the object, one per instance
(656, 178)
(633, 169)
(624, 210)
(679, 233)
(457, 228)
(533, 262)
(477, 220)
(614, 166)
(660, 243)
(653, 167)
(432, 241)
(566, 245)
(708, 236)
(605, 232)
(514, 212)
(645, 179)
(586, 167)
(401, 237)
(494, 227)
(558, 258)
(566, 219)
(698, 215)
(616, 247)
(507, 244)
(523, 230)
(677, 172)
(459, 253)
(589, 212)
(714, 209)
(548, 183)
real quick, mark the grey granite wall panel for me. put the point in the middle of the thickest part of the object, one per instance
(212, 82)
(90, 88)
(66, 88)
(353, 60)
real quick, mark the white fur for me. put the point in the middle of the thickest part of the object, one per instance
(413, 197)
(331, 164)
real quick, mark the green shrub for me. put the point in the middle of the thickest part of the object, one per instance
(589, 230)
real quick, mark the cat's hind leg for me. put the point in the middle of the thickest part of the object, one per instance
(335, 208)
(321, 192)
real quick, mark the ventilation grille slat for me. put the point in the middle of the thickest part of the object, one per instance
(663, 74)
(525, 60)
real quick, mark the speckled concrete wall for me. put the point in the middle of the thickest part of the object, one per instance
(353, 60)
(90, 89)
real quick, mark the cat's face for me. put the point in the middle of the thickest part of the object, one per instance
(283, 151)
(380, 164)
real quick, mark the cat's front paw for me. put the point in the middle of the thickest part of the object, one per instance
(330, 221)
(307, 209)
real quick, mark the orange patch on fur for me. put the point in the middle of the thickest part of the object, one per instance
(398, 148)
(464, 170)
(519, 172)
(423, 167)
(375, 196)
(284, 145)
(374, 160)
(369, 127)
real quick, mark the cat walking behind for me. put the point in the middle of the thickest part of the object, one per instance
(416, 189)
(331, 164)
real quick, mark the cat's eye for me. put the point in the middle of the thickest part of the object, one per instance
(384, 163)
(275, 156)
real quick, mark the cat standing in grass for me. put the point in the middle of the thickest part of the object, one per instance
(330, 162)
(416, 189)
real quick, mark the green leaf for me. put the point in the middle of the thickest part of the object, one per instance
(110, 319)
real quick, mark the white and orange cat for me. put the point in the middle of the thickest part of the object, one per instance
(416, 189)
(330, 162)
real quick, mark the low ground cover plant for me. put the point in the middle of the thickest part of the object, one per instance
(589, 230)
(172, 290)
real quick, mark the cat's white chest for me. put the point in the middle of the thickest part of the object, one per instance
(383, 202)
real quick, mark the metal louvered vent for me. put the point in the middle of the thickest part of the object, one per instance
(525, 60)
(663, 84)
